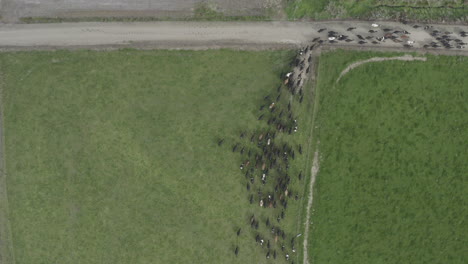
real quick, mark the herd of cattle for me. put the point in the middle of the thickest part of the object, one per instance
(378, 34)
(265, 155)
(265, 164)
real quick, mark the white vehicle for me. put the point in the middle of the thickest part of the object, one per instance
(410, 42)
(331, 38)
(375, 25)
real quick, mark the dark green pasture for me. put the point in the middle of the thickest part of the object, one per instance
(392, 186)
(112, 157)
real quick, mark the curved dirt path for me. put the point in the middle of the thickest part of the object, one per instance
(377, 59)
(315, 169)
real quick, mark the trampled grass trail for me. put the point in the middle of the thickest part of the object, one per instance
(377, 59)
(315, 170)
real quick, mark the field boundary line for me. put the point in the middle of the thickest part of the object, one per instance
(315, 52)
(7, 255)
(379, 59)
(312, 176)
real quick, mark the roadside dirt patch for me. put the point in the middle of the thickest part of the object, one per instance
(315, 170)
(377, 59)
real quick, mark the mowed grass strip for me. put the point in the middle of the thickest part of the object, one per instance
(112, 156)
(393, 143)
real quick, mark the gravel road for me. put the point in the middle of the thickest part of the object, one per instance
(203, 35)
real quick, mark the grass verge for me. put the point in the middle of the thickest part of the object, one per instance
(202, 12)
(436, 11)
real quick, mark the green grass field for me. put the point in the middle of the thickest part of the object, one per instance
(393, 145)
(112, 157)
(432, 10)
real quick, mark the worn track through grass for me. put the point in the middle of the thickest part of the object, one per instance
(378, 59)
(313, 176)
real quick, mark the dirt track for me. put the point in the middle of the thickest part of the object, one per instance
(377, 59)
(205, 35)
(315, 169)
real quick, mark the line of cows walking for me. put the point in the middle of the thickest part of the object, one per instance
(265, 164)
(379, 34)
